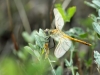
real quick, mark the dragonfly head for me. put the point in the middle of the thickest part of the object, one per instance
(54, 33)
(50, 31)
(47, 32)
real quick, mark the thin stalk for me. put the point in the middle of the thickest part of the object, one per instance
(71, 61)
(11, 26)
(51, 66)
(23, 15)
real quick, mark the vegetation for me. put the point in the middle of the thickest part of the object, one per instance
(35, 56)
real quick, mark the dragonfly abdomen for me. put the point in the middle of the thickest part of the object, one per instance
(80, 41)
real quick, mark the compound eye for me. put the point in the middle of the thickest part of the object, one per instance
(46, 31)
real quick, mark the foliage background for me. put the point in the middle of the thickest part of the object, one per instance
(36, 14)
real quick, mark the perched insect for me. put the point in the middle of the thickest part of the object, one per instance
(64, 40)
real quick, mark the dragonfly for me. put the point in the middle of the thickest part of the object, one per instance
(64, 40)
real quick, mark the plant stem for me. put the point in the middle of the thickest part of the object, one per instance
(51, 66)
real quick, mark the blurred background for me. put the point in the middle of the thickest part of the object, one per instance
(17, 16)
(28, 15)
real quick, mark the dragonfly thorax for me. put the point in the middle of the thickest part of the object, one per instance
(56, 34)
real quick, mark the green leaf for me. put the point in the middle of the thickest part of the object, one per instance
(37, 54)
(97, 3)
(59, 71)
(99, 12)
(96, 55)
(34, 47)
(62, 12)
(21, 55)
(67, 63)
(36, 68)
(33, 33)
(66, 15)
(88, 62)
(91, 5)
(96, 27)
(29, 50)
(75, 68)
(97, 58)
(70, 12)
(77, 73)
(27, 37)
(84, 35)
(86, 22)
(98, 35)
(42, 33)
(98, 20)
(38, 41)
(76, 32)
(93, 17)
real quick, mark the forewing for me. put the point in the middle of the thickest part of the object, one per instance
(62, 47)
(59, 22)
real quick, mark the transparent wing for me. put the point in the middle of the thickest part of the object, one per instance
(59, 22)
(62, 47)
